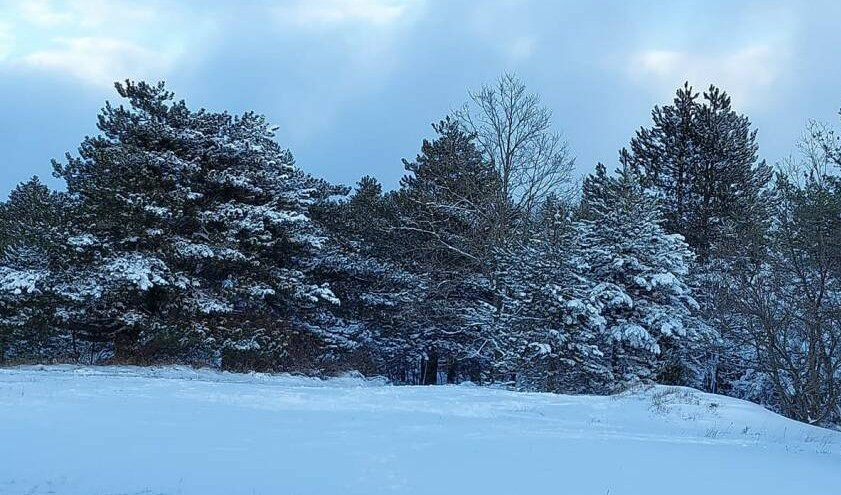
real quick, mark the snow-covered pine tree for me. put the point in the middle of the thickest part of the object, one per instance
(640, 272)
(376, 293)
(193, 236)
(31, 223)
(445, 206)
(553, 219)
(550, 332)
(700, 159)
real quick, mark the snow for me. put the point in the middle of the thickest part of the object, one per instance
(210, 305)
(138, 269)
(158, 211)
(636, 336)
(20, 281)
(124, 430)
(193, 250)
(80, 241)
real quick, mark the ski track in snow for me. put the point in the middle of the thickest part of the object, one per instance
(174, 430)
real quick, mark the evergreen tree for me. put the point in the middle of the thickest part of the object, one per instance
(550, 335)
(192, 236)
(700, 159)
(31, 226)
(376, 293)
(640, 272)
(445, 205)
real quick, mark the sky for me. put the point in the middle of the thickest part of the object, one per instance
(353, 85)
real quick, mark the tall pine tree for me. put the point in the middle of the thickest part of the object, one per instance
(445, 205)
(640, 270)
(700, 158)
(192, 236)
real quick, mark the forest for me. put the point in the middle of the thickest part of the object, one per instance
(187, 236)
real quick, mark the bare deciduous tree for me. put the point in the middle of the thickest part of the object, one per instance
(790, 305)
(515, 130)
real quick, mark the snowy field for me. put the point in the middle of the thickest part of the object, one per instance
(122, 430)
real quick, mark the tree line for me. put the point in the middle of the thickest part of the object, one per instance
(190, 236)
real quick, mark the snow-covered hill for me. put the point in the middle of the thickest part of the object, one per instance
(122, 430)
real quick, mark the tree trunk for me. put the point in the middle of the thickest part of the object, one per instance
(429, 369)
(475, 373)
(125, 343)
(452, 371)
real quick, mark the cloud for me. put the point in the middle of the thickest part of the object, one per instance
(318, 13)
(7, 41)
(357, 44)
(97, 41)
(43, 13)
(100, 61)
(508, 28)
(747, 73)
(83, 13)
(521, 47)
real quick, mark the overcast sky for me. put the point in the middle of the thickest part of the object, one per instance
(354, 84)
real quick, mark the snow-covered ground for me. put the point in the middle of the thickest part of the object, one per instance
(123, 430)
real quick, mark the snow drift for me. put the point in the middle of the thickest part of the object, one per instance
(123, 430)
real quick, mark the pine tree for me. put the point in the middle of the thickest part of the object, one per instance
(193, 236)
(550, 335)
(31, 223)
(640, 271)
(445, 205)
(376, 293)
(700, 159)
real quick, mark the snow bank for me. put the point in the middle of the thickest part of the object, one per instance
(125, 430)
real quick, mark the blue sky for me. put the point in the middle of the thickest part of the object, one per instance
(354, 84)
